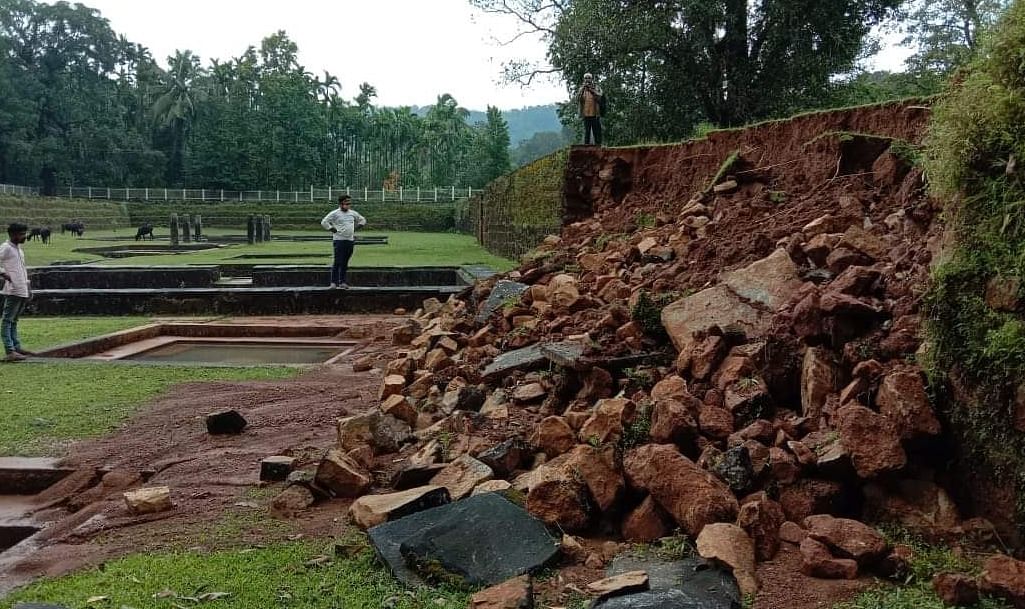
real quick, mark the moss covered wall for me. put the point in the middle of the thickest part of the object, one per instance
(514, 213)
(976, 324)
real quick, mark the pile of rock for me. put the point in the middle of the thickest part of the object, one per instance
(776, 401)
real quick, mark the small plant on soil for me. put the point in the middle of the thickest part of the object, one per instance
(648, 312)
(644, 220)
(638, 432)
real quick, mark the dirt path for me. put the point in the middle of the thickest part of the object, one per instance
(213, 478)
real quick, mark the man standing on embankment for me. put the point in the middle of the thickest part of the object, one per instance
(343, 222)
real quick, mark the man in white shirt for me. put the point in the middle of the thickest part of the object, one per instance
(343, 222)
(16, 290)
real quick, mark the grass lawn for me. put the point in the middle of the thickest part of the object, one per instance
(403, 249)
(45, 405)
(39, 333)
(280, 575)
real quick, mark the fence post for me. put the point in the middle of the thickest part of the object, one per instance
(222, 194)
(435, 194)
(366, 193)
(469, 192)
(240, 193)
(146, 197)
(165, 194)
(453, 193)
(311, 193)
(347, 189)
(296, 193)
(329, 192)
(417, 194)
(89, 192)
(277, 196)
(400, 194)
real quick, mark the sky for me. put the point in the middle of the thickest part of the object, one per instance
(410, 50)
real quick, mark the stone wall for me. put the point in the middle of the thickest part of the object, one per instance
(514, 213)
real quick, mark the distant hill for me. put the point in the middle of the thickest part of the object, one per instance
(523, 122)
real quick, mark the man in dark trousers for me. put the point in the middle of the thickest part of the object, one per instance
(16, 291)
(343, 222)
(591, 105)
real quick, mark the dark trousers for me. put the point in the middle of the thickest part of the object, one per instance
(592, 125)
(343, 252)
(12, 309)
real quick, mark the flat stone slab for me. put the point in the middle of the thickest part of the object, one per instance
(691, 583)
(483, 540)
(503, 291)
(567, 354)
(527, 357)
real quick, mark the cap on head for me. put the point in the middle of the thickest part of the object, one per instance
(588, 77)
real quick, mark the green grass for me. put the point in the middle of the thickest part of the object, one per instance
(403, 249)
(260, 578)
(38, 333)
(45, 405)
(916, 591)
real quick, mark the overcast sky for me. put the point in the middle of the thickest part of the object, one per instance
(410, 50)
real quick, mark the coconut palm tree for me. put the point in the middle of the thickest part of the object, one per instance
(175, 109)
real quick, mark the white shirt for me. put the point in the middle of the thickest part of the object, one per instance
(12, 262)
(344, 223)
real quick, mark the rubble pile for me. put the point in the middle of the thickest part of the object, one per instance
(730, 357)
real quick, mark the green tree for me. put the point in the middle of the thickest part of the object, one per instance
(668, 65)
(493, 146)
(175, 109)
(946, 33)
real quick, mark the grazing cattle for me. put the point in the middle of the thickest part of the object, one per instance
(43, 233)
(145, 229)
(75, 228)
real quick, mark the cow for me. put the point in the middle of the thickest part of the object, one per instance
(76, 228)
(43, 233)
(145, 229)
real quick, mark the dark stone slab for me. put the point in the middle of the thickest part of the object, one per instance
(503, 291)
(306, 275)
(568, 354)
(691, 583)
(482, 540)
(226, 422)
(527, 357)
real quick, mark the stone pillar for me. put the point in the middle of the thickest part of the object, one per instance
(197, 227)
(266, 228)
(251, 230)
(174, 229)
(258, 228)
(186, 228)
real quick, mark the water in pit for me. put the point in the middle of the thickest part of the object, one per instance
(212, 352)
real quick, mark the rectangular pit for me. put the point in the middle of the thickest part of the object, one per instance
(215, 344)
(12, 535)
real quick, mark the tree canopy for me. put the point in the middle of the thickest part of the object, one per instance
(81, 105)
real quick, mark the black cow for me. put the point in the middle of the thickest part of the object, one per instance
(145, 229)
(75, 228)
(43, 233)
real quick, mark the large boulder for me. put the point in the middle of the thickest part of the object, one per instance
(847, 538)
(729, 545)
(462, 475)
(693, 497)
(608, 421)
(818, 379)
(769, 281)
(1004, 577)
(902, 399)
(553, 436)
(715, 307)
(871, 441)
(383, 432)
(372, 510)
(341, 475)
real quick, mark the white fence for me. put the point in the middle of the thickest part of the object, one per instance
(411, 195)
(8, 189)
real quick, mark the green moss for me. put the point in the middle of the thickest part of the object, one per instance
(648, 312)
(978, 127)
(728, 164)
(644, 220)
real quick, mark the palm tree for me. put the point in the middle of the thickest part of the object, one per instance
(175, 109)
